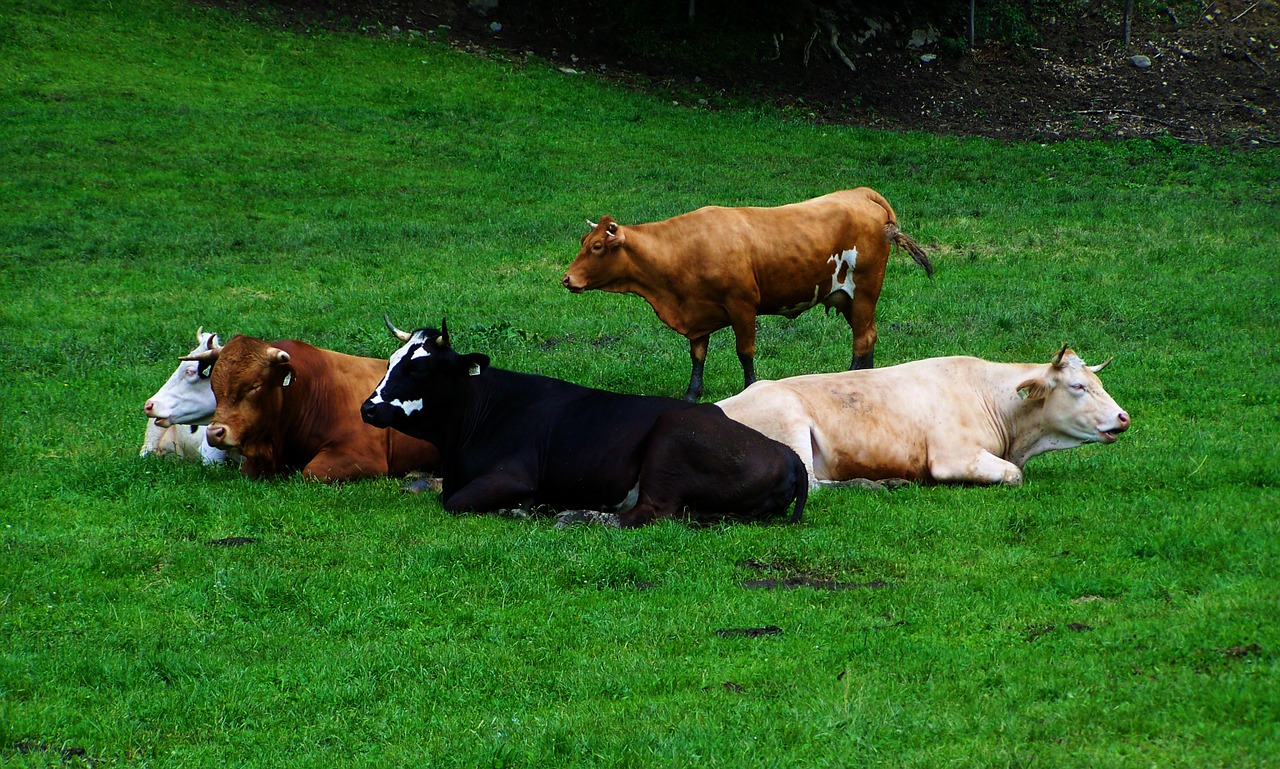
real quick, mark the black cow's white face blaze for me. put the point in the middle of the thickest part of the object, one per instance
(412, 350)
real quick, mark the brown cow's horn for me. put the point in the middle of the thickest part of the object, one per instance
(276, 355)
(403, 336)
(592, 224)
(1101, 366)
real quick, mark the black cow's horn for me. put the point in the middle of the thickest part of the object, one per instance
(403, 336)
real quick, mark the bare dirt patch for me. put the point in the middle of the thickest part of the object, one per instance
(1208, 72)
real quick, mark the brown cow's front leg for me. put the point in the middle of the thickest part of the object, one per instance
(698, 355)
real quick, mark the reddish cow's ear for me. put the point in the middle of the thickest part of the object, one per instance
(1033, 390)
(614, 236)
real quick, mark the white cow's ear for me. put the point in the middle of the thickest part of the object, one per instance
(1033, 390)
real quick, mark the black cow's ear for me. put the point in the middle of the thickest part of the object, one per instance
(475, 362)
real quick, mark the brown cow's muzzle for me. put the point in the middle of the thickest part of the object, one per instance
(567, 282)
(219, 437)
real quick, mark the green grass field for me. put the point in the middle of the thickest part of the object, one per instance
(164, 165)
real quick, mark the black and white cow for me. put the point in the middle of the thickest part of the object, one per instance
(511, 440)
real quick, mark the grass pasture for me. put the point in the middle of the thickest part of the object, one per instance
(164, 165)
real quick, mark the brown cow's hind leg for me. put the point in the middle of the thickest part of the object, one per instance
(861, 317)
(698, 356)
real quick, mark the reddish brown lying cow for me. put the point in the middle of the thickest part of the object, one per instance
(290, 406)
(718, 267)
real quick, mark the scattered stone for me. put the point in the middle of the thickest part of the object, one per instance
(495, 27)
(569, 70)
(929, 57)
(922, 37)
(1141, 62)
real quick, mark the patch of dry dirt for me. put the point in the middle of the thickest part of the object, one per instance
(1212, 71)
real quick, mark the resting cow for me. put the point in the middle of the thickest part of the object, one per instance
(718, 267)
(939, 420)
(290, 406)
(178, 412)
(509, 441)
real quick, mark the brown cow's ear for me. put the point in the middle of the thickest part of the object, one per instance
(1033, 390)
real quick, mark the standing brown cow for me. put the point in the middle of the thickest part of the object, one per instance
(717, 267)
(289, 406)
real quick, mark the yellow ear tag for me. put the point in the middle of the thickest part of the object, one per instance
(1023, 393)
(475, 369)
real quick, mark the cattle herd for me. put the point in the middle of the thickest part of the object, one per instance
(502, 440)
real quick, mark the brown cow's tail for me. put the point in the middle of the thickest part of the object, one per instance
(894, 235)
(802, 488)
(918, 255)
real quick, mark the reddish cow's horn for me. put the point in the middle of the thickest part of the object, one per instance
(591, 224)
(276, 355)
(1100, 366)
(403, 336)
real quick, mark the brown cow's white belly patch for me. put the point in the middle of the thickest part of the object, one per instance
(842, 266)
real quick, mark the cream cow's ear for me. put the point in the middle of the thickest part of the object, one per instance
(1033, 390)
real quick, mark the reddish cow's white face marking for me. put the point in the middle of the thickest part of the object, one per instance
(187, 398)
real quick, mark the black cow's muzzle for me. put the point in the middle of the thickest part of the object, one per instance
(369, 413)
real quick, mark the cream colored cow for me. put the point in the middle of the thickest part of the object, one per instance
(939, 420)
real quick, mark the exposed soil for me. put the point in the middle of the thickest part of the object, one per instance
(1213, 74)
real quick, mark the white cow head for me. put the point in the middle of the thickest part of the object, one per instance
(187, 398)
(1074, 407)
